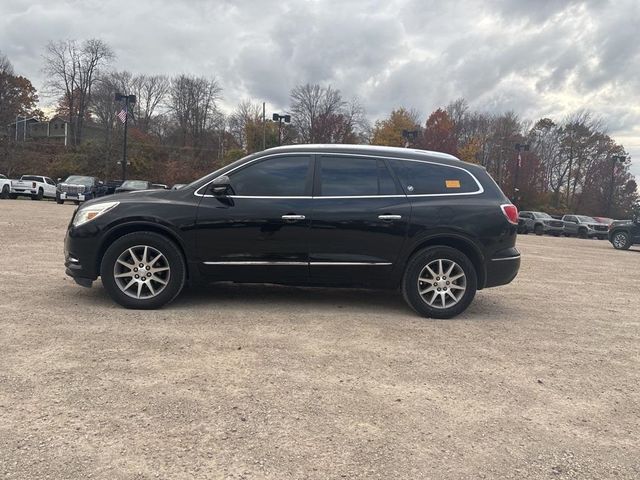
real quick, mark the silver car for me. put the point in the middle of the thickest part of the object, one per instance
(539, 223)
(584, 227)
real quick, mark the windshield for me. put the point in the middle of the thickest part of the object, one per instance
(541, 215)
(79, 180)
(585, 219)
(138, 184)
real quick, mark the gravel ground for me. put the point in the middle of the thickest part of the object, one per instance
(538, 379)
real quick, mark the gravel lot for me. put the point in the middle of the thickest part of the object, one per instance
(538, 379)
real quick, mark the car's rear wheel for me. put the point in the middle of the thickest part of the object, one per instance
(5, 192)
(143, 270)
(439, 282)
(582, 233)
(621, 241)
(538, 230)
(39, 195)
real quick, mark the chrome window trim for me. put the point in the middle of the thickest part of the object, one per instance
(263, 263)
(281, 154)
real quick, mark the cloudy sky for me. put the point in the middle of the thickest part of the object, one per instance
(536, 57)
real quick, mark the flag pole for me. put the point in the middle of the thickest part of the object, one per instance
(124, 149)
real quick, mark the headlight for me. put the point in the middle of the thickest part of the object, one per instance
(86, 214)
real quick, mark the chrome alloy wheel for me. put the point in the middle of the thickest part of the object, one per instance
(620, 240)
(442, 283)
(141, 272)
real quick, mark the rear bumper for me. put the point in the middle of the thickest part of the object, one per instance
(503, 268)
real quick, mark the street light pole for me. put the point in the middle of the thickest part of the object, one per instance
(519, 148)
(128, 100)
(410, 137)
(280, 118)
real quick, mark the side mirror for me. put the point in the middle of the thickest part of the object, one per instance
(220, 186)
(100, 182)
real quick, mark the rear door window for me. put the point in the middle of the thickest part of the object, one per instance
(423, 178)
(349, 177)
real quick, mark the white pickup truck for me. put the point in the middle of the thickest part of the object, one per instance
(5, 186)
(35, 186)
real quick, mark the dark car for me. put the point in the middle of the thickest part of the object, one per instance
(134, 185)
(79, 188)
(327, 215)
(111, 186)
(623, 234)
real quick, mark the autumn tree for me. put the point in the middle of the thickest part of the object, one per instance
(18, 97)
(439, 134)
(389, 131)
(72, 70)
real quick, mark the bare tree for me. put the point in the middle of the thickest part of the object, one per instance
(193, 103)
(5, 65)
(151, 92)
(72, 71)
(320, 115)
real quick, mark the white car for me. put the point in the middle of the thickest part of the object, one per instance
(35, 186)
(5, 186)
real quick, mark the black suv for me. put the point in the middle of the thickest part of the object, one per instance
(333, 215)
(624, 234)
(79, 188)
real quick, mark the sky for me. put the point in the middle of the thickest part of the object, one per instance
(535, 57)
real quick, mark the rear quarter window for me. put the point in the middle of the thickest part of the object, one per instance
(422, 178)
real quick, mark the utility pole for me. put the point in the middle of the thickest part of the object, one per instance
(264, 126)
(409, 136)
(128, 100)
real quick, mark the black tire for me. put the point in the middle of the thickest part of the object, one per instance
(39, 195)
(174, 258)
(4, 194)
(582, 233)
(59, 201)
(621, 241)
(13, 196)
(415, 266)
(538, 229)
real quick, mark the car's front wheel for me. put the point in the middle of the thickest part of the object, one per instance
(621, 241)
(439, 282)
(143, 270)
(538, 229)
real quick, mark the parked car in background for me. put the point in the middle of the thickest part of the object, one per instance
(584, 227)
(134, 185)
(540, 223)
(178, 186)
(624, 233)
(161, 186)
(35, 186)
(111, 185)
(427, 223)
(79, 188)
(5, 186)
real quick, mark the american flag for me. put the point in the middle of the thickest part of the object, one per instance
(122, 115)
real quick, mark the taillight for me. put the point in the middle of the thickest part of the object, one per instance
(511, 212)
(33, 184)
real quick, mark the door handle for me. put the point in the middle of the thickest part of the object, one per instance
(293, 218)
(389, 217)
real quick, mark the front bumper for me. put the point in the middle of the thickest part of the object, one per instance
(81, 248)
(503, 267)
(81, 197)
(591, 233)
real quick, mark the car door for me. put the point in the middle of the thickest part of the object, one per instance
(359, 220)
(571, 224)
(259, 230)
(49, 187)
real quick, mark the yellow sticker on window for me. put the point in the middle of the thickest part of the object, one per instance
(452, 183)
